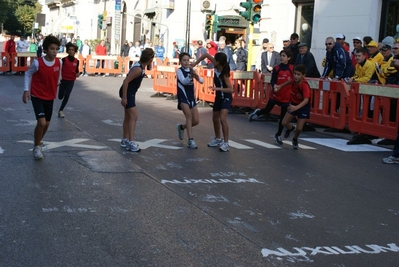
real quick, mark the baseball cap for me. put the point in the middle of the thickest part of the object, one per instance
(340, 36)
(357, 39)
(265, 40)
(372, 44)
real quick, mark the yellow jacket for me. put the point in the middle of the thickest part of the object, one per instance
(378, 58)
(364, 73)
(385, 70)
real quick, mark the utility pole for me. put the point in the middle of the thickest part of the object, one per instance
(188, 26)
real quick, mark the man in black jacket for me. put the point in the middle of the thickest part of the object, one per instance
(125, 49)
(306, 58)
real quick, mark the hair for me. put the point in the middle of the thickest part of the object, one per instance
(294, 36)
(75, 47)
(147, 55)
(362, 51)
(288, 52)
(50, 40)
(300, 68)
(199, 42)
(222, 59)
(367, 40)
(182, 55)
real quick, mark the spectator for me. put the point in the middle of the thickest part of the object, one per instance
(229, 53)
(263, 48)
(307, 59)
(107, 46)
(385, 73)
(200, 51)
(388, 40)
(136, 49)
(101, 50)
(10, 48)
(176, 51)
(160, 51)
(22, 47)
(242, 56)
(79, 43)
(286, 43)
(364, 68)
(125, 49)
(357, 44)
(85, 50)
(375, 57)
(32, 46)
(212, 50)
(340, 38)
(63, 43)
(337, 60)
(294, 39)
(270, 59)
(190, 49)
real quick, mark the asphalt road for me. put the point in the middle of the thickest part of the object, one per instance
(91, 203)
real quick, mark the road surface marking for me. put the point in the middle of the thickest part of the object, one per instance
(71, 143)
(340, 144)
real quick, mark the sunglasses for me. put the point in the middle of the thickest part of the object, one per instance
(328, 43)
(395, 48)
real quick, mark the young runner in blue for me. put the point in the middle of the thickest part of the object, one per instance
(186, 98)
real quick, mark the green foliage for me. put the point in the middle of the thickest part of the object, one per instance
(18, 15)
(93, 43)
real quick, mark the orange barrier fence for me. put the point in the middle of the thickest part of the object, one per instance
(104, 64)
(5, 61)
(246, 89)
(203, 91)
(164, 80)
(373, 110)
(22, 61)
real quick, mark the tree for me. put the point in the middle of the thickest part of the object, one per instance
(18, 15)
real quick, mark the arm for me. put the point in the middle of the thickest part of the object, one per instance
(206, 55)
(292, 108)
(77, 69)
(27, 80)
(229, 88)
(340, 65)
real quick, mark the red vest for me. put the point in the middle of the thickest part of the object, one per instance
(45, 80)
(69, 69)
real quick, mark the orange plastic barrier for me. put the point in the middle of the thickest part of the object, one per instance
(107, 64)
(383, 119)
(21, 61)
(328, 103)
(165, 79)
(203, 92)
(246, 87)
(265, 90)
(5, 61)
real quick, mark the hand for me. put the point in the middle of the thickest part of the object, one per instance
(212, 88)
(26, 97)
(124, 101)
(291, 108)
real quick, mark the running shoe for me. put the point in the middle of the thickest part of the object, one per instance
(61, 114)
(215, 142)
(224, 147)
(180, 131)
(295, 144)
(37, 152)
(253, 115)
(278, 139)
(133, 147)
(288, 132)
(191, 144)
(124, 142)
(391, 160)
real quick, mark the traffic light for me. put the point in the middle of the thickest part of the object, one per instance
(248, 10)
(100, 21)
(216, 20)
(256, 9)
(208, 22)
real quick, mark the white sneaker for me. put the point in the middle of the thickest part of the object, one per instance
(61, 114)
(191, 144)
(224, 147)
(124, 142)
(132, 146)
(215, 142)
(180, 132)
(37, 152)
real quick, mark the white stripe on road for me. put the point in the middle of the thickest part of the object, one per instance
(238, 145)
(260, 143)
(340, 144)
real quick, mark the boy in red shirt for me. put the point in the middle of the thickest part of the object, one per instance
(282, 77)
(299, 106)
(41, 81)
(70, 71)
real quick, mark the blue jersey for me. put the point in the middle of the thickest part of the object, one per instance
(185, 88)
(134, 85)
(219, 82)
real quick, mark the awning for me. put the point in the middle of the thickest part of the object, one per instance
(149, 12)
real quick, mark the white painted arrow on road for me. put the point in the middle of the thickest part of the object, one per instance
(1, 150)
(71, 143)
(151, 143)
(111, 122)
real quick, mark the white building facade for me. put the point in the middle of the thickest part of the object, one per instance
(166, 20)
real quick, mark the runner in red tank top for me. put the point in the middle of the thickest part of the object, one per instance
(70, 71)
(41, 81)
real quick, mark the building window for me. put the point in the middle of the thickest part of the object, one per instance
(304, 23)
(389, 25)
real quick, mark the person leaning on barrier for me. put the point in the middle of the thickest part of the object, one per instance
(375, 57)
(337, 60)
(306, 58)
(364, 68)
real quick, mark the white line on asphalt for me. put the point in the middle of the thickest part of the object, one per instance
(260, 143)
(340, 144)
